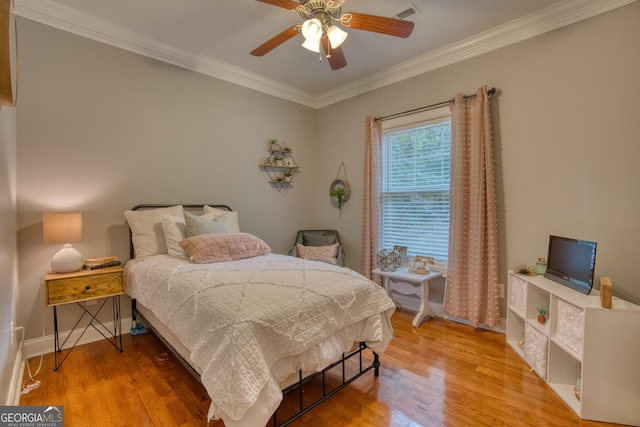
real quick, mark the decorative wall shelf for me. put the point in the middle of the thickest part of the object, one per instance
(280, 166)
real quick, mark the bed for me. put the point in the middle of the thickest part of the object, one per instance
(247, 322)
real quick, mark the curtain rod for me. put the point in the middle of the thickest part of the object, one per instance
(429, 107)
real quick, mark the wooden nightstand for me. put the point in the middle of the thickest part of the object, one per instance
(85, 285)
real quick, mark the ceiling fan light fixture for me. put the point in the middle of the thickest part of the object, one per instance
(312, 29)
(320, 20)
(336, 36)
(312, 45)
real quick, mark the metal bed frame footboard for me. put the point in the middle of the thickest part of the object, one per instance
(302, 409)
(375, 365)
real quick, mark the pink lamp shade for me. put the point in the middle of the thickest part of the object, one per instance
(63, 227)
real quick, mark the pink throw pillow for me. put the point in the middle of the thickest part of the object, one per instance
(220, 247)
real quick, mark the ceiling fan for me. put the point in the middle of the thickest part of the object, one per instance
(319, 28)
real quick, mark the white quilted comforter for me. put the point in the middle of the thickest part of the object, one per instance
(240, 318)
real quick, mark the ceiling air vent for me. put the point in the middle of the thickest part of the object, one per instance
(406, 12)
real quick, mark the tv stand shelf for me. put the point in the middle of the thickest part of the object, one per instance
(580, 345)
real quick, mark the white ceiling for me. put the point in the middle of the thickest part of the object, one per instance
(215, 37)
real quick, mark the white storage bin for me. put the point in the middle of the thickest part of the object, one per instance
(518, 299)
(570, 326)
(536, 347)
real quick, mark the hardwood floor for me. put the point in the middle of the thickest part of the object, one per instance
(440, 374)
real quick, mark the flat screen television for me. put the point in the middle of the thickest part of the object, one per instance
(571, 262)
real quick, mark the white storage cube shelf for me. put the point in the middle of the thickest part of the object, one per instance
(580, 341)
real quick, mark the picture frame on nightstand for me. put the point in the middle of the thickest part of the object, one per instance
(402, 250)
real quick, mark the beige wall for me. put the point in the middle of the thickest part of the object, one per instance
(101, 129)
(9, 289)
(567, 141)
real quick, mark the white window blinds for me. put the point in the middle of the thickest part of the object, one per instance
(415, 183)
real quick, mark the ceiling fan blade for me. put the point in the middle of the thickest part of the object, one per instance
(380, 24)
(287, 4)
(334, 56)
(276, 41)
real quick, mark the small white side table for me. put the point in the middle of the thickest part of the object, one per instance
(420, 287)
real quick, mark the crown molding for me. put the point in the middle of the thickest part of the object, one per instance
(84, 25)
(551, 18)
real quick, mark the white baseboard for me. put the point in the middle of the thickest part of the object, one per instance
(13, 398)
(411, 303)
(43, 345)
(438, 308)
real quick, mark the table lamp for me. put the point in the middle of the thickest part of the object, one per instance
(63, 227)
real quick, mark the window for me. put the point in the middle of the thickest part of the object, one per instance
(416, 160)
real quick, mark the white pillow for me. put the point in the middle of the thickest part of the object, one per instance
(146, 229)
(175, 230)
(326, 254)
(231, 217)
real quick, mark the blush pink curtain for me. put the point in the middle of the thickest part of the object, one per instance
(371, 198)
(471, 290)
